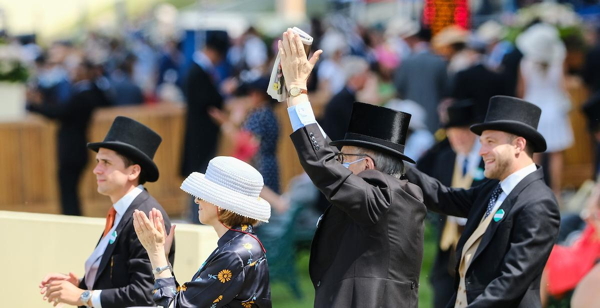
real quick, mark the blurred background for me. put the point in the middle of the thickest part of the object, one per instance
(139, 58)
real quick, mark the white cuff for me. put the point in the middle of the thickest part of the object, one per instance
(96, 299)
(302, 115)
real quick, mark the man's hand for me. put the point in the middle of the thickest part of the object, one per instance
(71, 278)
(294, 63)
(63, 291)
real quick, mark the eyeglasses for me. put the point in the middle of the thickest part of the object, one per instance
(340, 158)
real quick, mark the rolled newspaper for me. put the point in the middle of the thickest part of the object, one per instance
(277, 89)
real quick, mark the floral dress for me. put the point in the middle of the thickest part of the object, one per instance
(236, 274)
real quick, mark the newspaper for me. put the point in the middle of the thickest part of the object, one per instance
(277, 89)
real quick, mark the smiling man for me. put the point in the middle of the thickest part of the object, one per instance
(513, 219)
(118, 272)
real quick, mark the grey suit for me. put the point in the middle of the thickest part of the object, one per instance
(368, 246)
(422, 78)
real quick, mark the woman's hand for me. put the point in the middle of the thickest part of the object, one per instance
(294, 63)
(150, 232)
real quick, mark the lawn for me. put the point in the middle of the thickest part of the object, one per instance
(282, 296)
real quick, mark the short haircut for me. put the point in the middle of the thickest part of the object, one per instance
(528, 144)
(232, 219)
(385, 163)
(128, 162)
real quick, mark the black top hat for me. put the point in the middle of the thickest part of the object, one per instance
(135, 141)
(591, 109)
(377, 128)
(460, 114)
(515, 116)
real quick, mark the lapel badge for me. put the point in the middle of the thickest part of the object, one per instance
(499, 215)
(113, 237)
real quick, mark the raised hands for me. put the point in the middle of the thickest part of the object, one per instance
(294, 63)
(151, 232)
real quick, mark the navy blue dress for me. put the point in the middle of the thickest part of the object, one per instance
(236, 274)
(262, 123)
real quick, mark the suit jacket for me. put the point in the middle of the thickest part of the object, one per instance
(201, 132)
(438, 163)
(506, 268)
(74, 117)
(423, 79)
(125, 274)
(337, 114)
(368, 246)
(479, 84)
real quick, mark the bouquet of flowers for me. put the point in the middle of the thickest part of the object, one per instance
(562, 16)
(12, 65)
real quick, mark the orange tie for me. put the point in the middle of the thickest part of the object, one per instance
(110, 220)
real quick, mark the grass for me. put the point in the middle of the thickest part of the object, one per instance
(283, 298)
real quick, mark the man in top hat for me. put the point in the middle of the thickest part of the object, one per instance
(461, 147)
(201, 90)
(368, 246)
(512, 220)
(118, 272)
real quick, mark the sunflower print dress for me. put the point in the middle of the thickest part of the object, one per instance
(236, 274)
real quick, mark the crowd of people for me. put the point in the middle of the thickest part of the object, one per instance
(474, 127)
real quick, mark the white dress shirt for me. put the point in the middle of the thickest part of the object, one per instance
(93, 262)
(302, 115)
(511, 182)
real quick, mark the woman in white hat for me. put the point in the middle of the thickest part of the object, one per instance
(541, 82)
(236, 274)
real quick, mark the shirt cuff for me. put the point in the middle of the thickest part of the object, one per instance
(96, 299)
(302, 115)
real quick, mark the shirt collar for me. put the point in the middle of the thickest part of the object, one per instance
(473, 157)
(233, 232)
(124, 203)
(515, 178)
(201, 59)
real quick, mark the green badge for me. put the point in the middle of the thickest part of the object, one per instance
(113, 237)
(499, 215)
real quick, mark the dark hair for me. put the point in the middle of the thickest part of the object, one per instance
(129, 162)
(232, 219)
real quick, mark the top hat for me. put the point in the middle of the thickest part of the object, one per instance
(377, 128)
(460, 114)
(133, 140)
(231, 184)
(515, 116)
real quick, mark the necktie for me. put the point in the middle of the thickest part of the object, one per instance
(465, 166)
(110, 220)
(495, 194)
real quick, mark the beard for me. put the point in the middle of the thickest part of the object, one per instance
(497, 171)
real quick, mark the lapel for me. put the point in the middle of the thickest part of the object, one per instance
(473, 220)
(124, 221)
(507, 205)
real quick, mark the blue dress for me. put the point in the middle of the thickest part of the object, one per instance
(262, 123)
(236, 274)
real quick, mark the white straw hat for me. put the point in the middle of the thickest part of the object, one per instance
(231, 184)
(542, 43)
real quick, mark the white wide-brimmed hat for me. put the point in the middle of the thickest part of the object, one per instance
(542, 43)
(231, 184)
